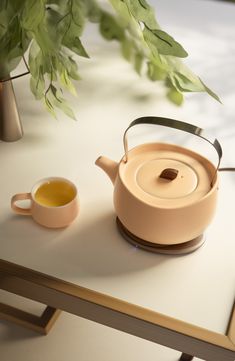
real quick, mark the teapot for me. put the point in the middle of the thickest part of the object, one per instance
(164, 194)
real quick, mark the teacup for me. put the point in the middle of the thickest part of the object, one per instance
(54, 202)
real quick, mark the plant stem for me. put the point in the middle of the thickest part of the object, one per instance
(25, 63)
(14, 77)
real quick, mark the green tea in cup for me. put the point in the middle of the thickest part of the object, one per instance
(55, 193)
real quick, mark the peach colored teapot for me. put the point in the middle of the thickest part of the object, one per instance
(163, 193)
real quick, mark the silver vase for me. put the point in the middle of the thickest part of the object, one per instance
(10, 124)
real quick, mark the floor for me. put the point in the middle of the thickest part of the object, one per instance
(73, 338)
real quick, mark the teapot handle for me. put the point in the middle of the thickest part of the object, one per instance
(175, 124)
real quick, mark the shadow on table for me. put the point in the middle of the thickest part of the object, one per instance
(11, 333)
(90, 247)
(97, 249)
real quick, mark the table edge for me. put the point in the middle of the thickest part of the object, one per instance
(46, 289)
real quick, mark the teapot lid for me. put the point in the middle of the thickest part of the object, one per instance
(166, 175)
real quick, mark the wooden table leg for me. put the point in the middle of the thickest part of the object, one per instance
(186, 357)
(41, 324)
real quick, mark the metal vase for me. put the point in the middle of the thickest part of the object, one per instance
(10, 124)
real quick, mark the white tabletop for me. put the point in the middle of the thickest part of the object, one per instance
(198, 288)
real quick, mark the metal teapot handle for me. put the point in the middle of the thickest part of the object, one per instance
(175, 124)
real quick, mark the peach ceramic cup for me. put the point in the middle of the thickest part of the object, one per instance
(54, 202)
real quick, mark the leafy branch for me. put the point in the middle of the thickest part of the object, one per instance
(51, 32)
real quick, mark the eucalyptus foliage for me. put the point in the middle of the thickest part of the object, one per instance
(51, 31)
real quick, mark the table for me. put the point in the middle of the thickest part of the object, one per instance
(183, 302)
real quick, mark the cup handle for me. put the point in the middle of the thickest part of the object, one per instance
(20, 197)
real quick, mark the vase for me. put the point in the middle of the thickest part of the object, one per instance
(10, 124)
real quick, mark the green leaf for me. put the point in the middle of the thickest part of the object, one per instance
(54, 92)
(211, 93)
(78, 10)
(144, 4)
(138, 62)
(35, 59)
(175, 96)
(65, 108)
(127, 48)
(109, 28)
(58, 101)
(154, 72)
(188, 83)
(3, 5)
(72, 42)
(25, 40)
(11, 50)
(122, 10)
(37, 86)
(37, 83)
(73, 69)
(15, 5)
(93, 11)
(68, 25)
(69, 28)
(9, 10)
(56, 24)
(49, 106)
(142, 12)
(65, 61)
(64, 78)
(45, 40)
(185, 80)
(163, 42)
(3, 22)
(32, 14)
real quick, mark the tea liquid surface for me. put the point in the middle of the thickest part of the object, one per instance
(54, 193)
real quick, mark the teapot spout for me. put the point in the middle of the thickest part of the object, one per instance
(109, 166)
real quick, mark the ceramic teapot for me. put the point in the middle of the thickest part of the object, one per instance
(163, 193)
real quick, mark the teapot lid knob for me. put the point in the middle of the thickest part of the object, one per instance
(169, 173)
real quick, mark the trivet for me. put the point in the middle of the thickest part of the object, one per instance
(173, 249)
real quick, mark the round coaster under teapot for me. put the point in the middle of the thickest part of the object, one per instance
(175, 249)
